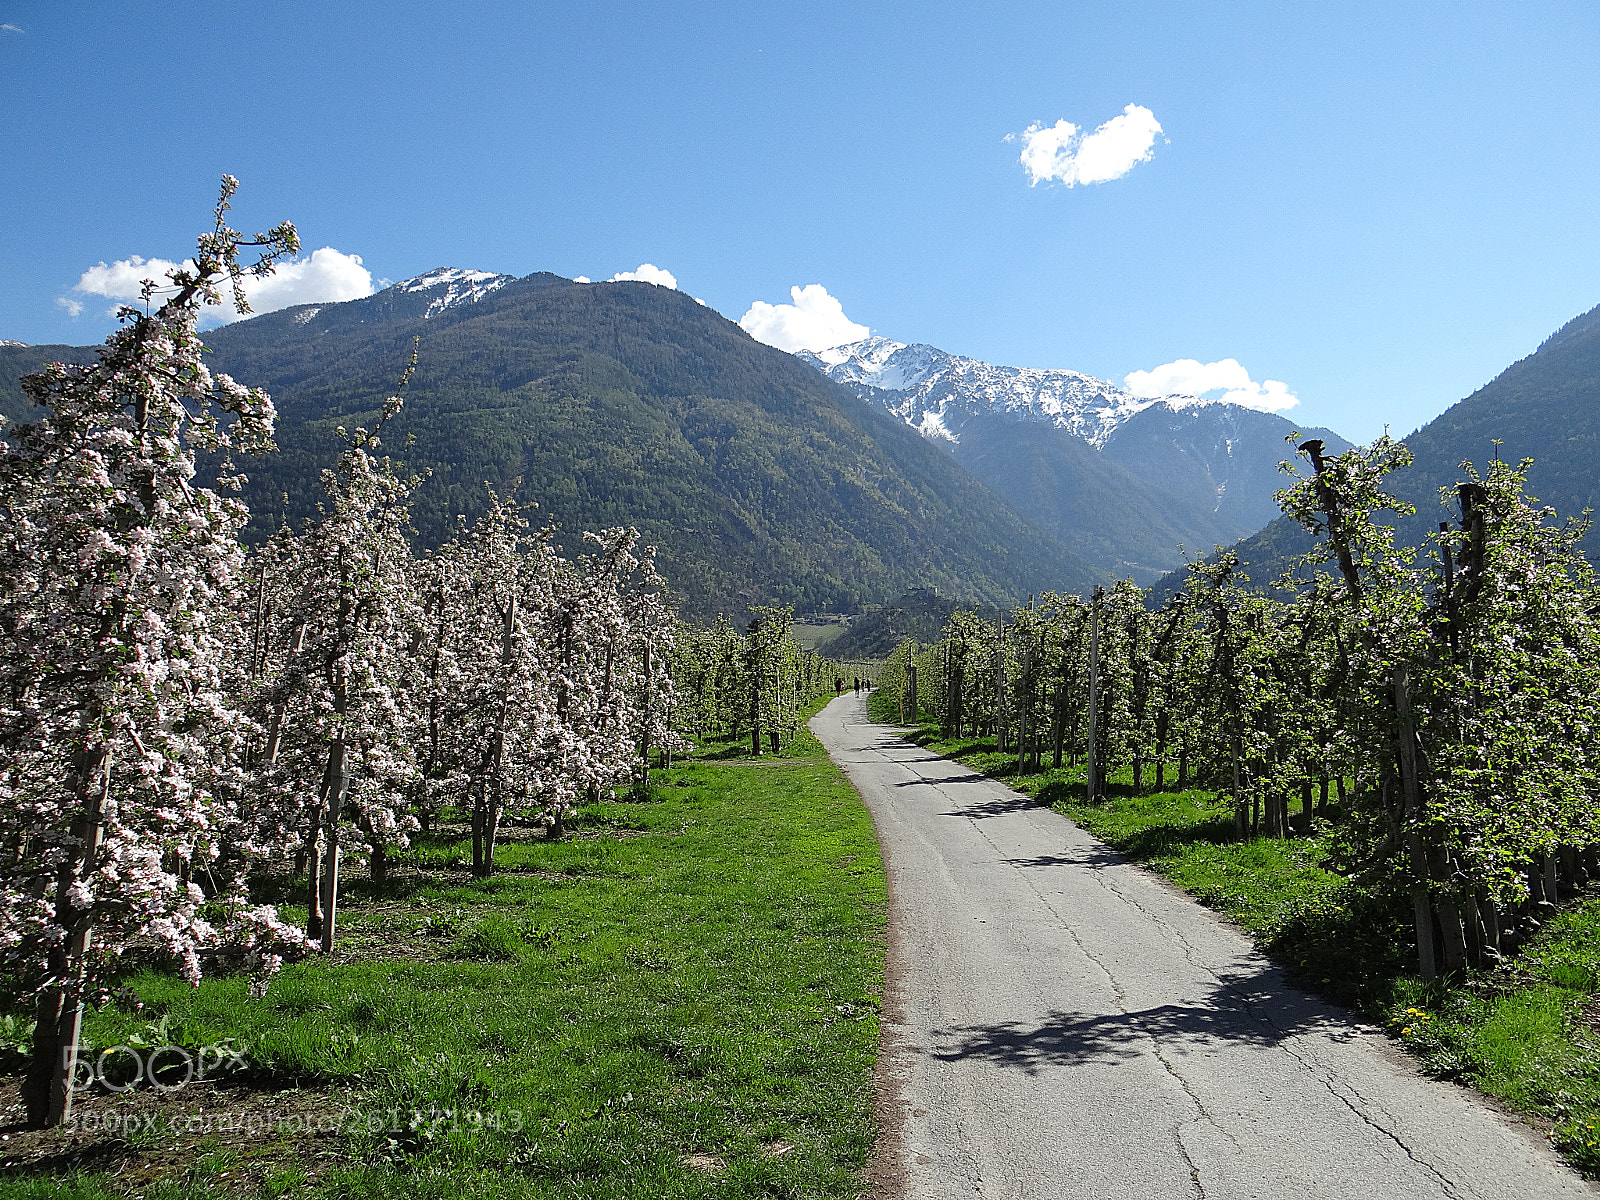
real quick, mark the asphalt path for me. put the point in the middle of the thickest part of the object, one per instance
(1062, 1024)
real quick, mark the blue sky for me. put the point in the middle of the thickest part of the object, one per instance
(1379, 205)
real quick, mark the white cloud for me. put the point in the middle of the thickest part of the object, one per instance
(73, 307)
(815, 321)
(325, 277)
(1063, 152)
(123, 279)
(9, 29)
(581, 279)
(1191, 377)
(647, 273)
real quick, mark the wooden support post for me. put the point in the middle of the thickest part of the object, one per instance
(1092, 778)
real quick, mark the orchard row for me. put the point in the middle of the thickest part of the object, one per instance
(1450, 696)
(179, 715)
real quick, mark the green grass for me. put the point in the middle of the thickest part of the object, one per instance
(698, 974)
(1527, 1034)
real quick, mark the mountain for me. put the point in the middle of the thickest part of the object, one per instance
(921, 614)
(18, 359)
(1545, 407)
(1123, 480)
(626, 403)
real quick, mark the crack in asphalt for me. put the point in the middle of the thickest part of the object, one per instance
(1449, 1185)
(1203, 1114)
(1232, 978)
(1316, 1070)
(1156, 1047)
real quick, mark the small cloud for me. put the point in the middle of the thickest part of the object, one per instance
(9, 29)
(1063, 152)
(73, 307)
(1191, 377)
(815, 321)
(647, 273)
(581, 279)
(326, 276)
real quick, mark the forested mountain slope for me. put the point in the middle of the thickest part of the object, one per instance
(626, 403)
(1545, 407)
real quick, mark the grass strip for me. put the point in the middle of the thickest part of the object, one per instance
(681, 999)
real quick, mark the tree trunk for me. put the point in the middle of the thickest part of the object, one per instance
(336, 784)
(1571, 869)
(1241, 807)
(1455, 942)
(755, 714)
(644, 750)
(1421, 910)
(1411, 793)
(313, 854)
(1538, 904)
(1472, 926)
(477, 833)
(1092, 777)
(47, 1088)
(491, 831)
(275, 723)
(486, 823)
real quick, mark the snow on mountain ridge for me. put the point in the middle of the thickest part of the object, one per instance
(461, 286)
(940, 391)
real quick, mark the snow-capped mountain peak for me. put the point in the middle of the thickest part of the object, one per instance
(937, 392)
(460, 286)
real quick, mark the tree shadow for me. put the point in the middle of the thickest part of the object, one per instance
(1160, 840)
(93, 1156)
(1233, 1013)
(998, 807)
(969, 777)
(1094, 855)
(732, 750)
(1046, 860)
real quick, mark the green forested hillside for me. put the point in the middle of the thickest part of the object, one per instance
(1093, 504)
(921, 614)
(17, 361)
(626, 403)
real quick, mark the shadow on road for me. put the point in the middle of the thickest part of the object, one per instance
(1049, 860)
(1259, 1010)
(1094, 854)
(998, 807)
(967, 778)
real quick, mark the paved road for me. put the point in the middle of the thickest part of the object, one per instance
(1061, 1024)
